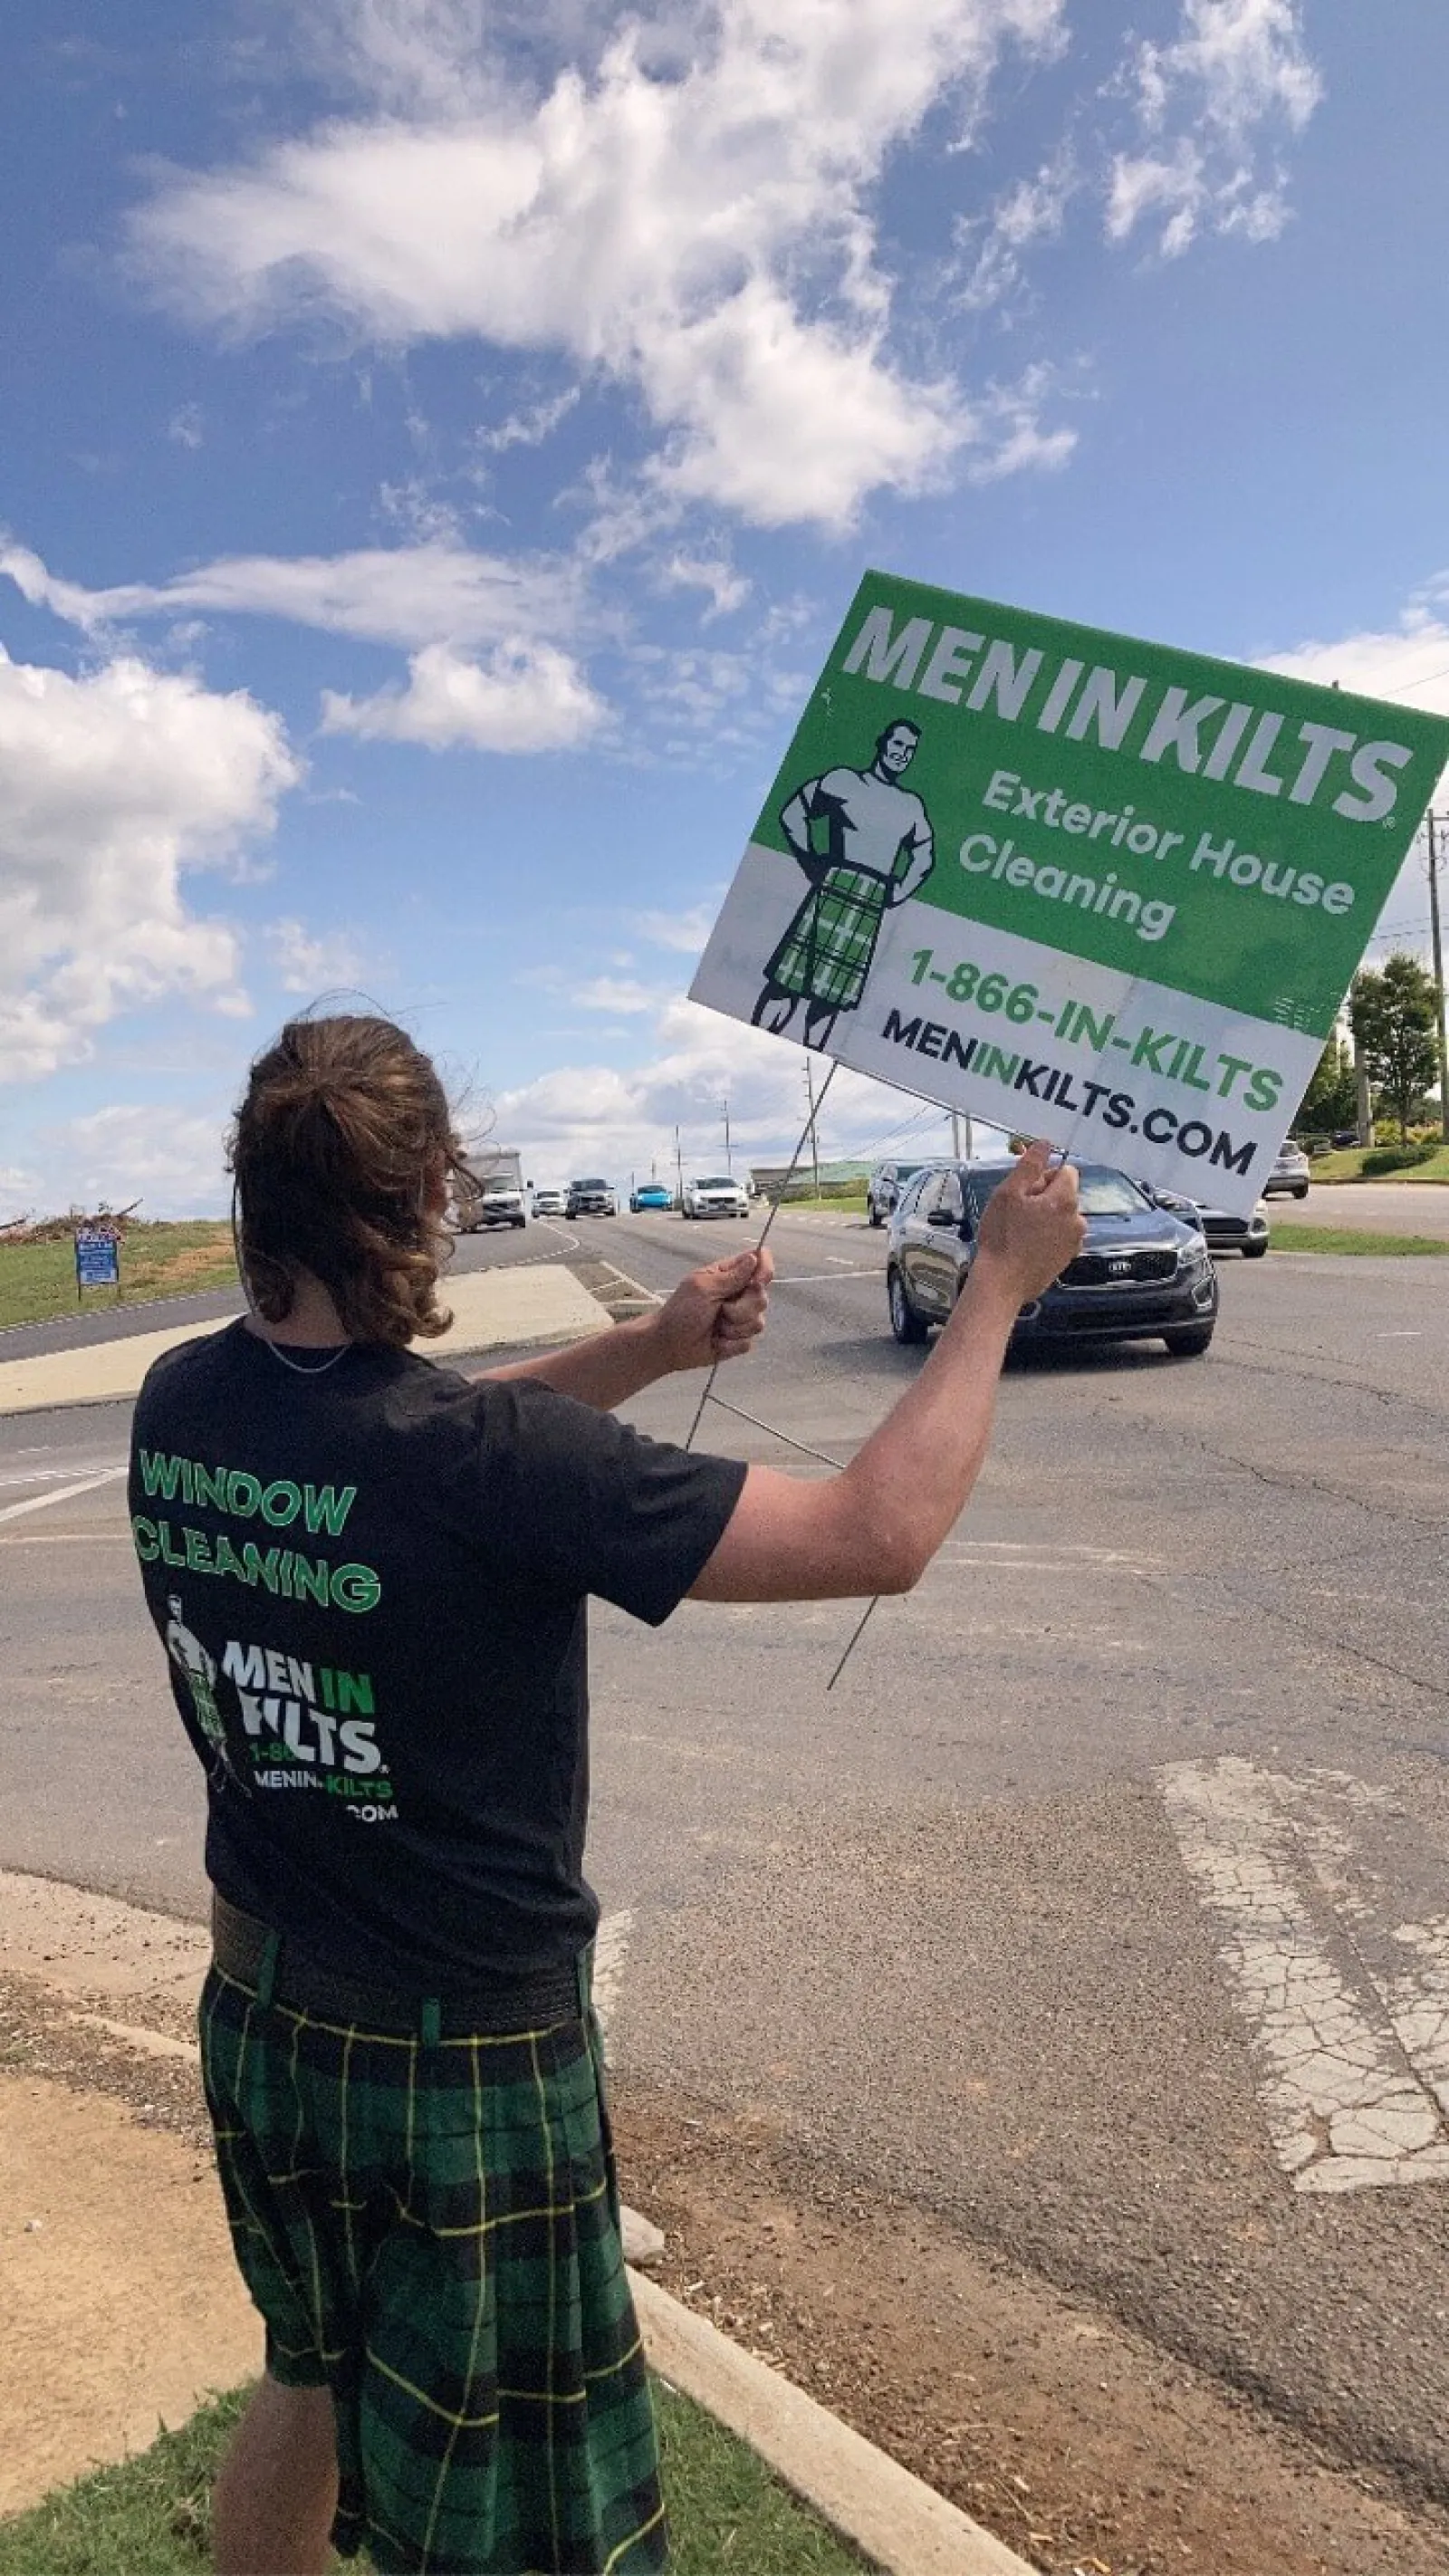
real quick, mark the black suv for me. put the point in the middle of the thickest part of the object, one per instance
(590, 1198)
(1141, 1271)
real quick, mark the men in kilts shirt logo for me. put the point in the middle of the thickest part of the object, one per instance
(872, 825)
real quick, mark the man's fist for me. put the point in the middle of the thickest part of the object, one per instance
(1032, 1225)
(716, 1312)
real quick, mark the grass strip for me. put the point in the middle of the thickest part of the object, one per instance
(37, 1280)
(150, 2516)
(1293, 1237)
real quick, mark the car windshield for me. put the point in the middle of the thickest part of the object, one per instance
(1100, 1190)
(725, 1184)
(591, 1185)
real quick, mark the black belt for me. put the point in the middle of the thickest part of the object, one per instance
(495, 2003)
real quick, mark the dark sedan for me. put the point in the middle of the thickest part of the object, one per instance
(1141, 1273)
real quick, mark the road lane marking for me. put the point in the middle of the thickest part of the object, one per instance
(1353, 2059)
(61, 1494)
(46, 1475)
(810, 1278)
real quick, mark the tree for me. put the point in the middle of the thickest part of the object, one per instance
(1392, 1010)
(1331, 1099)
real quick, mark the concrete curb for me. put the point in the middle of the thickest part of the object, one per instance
(894, 2519)
(532, 1304)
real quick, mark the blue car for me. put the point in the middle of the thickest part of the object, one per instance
(650, 1195)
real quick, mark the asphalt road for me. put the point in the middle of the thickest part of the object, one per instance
(1104, 1904)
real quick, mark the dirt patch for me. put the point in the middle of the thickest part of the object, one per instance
(1082, 2446)
(120, 2305)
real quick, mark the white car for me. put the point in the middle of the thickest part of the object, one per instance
(549, 1203)
(1291, 1172)
(724, 1197)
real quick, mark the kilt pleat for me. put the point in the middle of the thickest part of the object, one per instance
(827, 952)
(432, 2230)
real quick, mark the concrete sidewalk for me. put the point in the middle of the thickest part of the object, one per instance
(534, 1302)
(112, 2331)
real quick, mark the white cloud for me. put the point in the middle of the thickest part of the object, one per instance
(112, 786)
(305, 963)
(1032, 211)
(526, 697)
(405, 595)
(529, 428)
(171, 1159)
(684, 931)
(592, 1117)
(614, 993)
(690, 215)
(186, 427)
(726, 588)
(1237, 75)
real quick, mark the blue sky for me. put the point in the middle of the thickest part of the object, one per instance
(438, 443)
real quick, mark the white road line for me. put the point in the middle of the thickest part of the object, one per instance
(44, 1475)
(808, 1278)
(61, 1494)
(1007, 1553)
(1353, 2063)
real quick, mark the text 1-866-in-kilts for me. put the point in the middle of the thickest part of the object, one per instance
(429, 2226)
(825, 955)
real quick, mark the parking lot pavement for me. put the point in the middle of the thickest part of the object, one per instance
(1100, 1908)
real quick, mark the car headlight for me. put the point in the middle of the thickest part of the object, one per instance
(1194, 1257)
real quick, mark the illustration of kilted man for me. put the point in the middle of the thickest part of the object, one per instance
(879, 847)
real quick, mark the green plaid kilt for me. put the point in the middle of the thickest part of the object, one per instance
(825, 955)
(432, 2231)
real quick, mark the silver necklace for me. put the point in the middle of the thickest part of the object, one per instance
(304, 1368)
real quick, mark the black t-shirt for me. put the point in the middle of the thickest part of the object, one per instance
(371, 1586)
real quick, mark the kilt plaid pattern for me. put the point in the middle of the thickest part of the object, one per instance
(825, 955)
(431, 2229)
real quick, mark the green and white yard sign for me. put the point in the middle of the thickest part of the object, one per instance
(1097, 890)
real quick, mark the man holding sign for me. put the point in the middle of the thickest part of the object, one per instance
(1120, 903)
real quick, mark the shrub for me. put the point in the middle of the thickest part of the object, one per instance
(1398, 1158)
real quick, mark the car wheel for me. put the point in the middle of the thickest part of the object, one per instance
(1301, 1192)
(906, 1324)
(873, 1215)
(1190, 1341)
(1254, 1251)
(518, 1221)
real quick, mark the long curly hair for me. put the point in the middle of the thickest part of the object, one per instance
(343, 1152)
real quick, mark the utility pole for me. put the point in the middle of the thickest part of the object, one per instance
(679, 1167)
(1431, 819)
(814, 1139)
(729, 1166)
(960, 1137)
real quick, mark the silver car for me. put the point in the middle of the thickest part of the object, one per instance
(1289, 1176)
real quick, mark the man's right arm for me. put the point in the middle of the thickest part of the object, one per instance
(877, 1525)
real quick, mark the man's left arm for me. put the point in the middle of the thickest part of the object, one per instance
(714, 1314)
(919, 845)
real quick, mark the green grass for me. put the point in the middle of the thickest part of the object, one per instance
(852, 1202)
(37, 1280)
(1347, 1165)
(149, 2517)
(1352, 1238)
